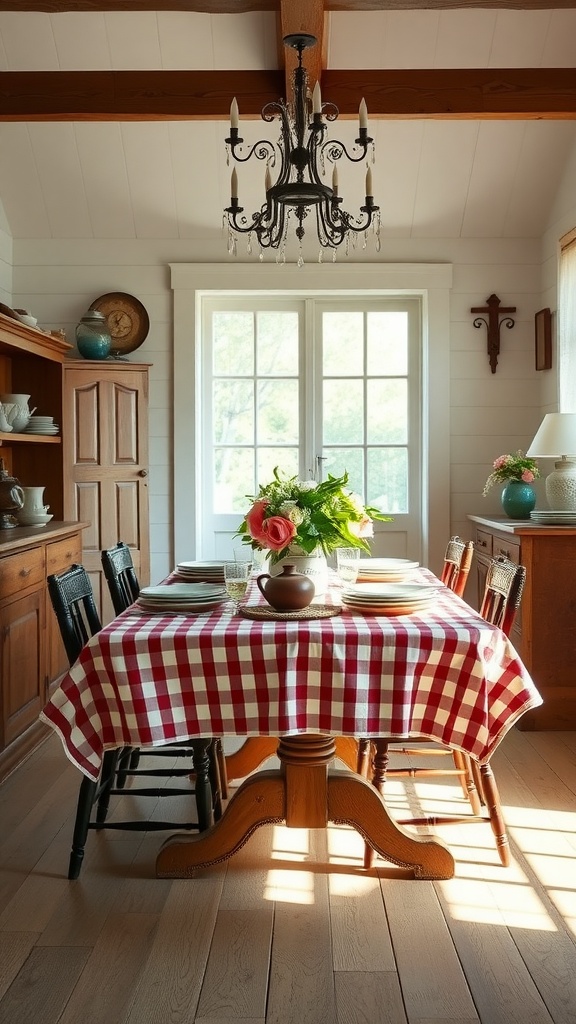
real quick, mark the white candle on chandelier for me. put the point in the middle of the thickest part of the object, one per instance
(335, 180)
(316, 99)
(234, 184)
(363, 114)
(267, 178)
(369, 191)
(234, 114)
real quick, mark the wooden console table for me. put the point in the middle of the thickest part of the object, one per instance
(545, 630)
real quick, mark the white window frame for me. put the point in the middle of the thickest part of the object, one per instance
(431, 282)
(567, 323)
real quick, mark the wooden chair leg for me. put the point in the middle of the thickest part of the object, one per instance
(464, 764)
(364, 763)
(221, 758)
(86, 798)
(477, 776)
(494, 808)
(124, 765)
(201, 764)
(379, 767)
(215, 778)
(107, 777)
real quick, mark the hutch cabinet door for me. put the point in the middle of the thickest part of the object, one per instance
(105, 436)
(22, 664)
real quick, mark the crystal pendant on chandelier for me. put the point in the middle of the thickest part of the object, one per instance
(298, 163)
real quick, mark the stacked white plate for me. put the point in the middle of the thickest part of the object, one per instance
(385, 570)
(42, 425)
(201, 572)
(181, 597)
(554, 518)
(388, 598)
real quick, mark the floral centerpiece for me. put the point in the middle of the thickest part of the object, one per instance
(290, 515)
(512, 467)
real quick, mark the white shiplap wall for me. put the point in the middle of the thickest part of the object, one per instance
(562, 219)
(5, 260)
(490, 414)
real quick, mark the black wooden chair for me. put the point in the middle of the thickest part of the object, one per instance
(73, 602)
(124, 588)
(120, 576)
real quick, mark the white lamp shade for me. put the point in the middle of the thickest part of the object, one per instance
(556, 436)
(556, 439)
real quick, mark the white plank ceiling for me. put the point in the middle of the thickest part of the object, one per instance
(163, 180)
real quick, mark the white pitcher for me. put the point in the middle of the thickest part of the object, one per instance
(33, 500)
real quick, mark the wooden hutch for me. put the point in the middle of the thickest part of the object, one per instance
(32, 656)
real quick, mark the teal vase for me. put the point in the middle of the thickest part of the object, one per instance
(93, 339)
(518, 499)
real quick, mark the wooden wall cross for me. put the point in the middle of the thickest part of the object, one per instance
(493, 325)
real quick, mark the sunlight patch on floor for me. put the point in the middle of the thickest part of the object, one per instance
(565, 903)
(290, 843)
(282, 884)
(514, 905)
(541, 818)
(285, 886)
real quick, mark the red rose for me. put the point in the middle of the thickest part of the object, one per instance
(254, 520)
(278, 532)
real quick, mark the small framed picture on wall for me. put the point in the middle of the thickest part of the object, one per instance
(543, 339)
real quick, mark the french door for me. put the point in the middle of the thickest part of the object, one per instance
(313, 386)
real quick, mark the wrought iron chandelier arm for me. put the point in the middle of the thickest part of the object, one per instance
(331, 226)
(334, 150)
(262, 150)
(267, 224)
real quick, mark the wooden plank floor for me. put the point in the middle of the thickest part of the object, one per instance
(292, 930)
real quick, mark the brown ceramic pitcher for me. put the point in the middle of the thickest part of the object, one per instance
(290, 591)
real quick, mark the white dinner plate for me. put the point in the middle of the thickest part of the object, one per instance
(179, 608)
(183, 592)
(199, 566)
(392, 592)
(560, 513)
(210, 572)
(386, 564)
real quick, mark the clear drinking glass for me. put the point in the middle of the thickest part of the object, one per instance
(347, 560)
(236, 576)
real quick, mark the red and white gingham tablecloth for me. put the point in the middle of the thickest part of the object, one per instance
(149, 679)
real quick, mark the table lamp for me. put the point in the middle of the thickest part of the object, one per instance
(556, 439)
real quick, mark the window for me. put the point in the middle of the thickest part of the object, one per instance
(314, 293)
(567, 324)
(312, 387)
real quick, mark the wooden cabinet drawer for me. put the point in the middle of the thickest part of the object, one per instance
(483, 542)
(507, 547)
(21, 570)
(63, 553)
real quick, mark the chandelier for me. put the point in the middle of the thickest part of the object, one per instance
(297, 162)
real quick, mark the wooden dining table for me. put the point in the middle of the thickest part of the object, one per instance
(305, 687)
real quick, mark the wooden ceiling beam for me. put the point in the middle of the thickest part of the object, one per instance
(246, 6)
(514, 93)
